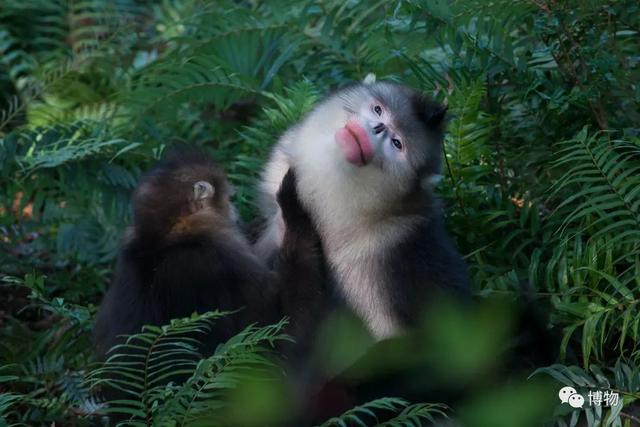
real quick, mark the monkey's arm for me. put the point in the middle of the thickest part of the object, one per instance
(299, 265)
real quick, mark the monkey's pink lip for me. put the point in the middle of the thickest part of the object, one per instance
(355, 143)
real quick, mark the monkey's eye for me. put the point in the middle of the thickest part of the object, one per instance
(378, 110)
(396, 143)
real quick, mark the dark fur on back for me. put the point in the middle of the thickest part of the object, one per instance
(178, 259)
(425, 263)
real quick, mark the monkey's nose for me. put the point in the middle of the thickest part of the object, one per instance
(379, 128)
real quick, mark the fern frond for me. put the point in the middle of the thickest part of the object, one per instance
(463, 29)
(622, 378)
(195, 79)
(54, 146)
(469, 132)
(417, 414)
(17, 62)
(256, 54)
(608, 319)
(235, 362)
(608, 197)
(6, 401)
(597, 252)
(406, 415)
(144, 367)
(368, 410)
(349, 40)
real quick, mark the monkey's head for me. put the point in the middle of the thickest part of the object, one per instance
(187, 188)
(383, 137)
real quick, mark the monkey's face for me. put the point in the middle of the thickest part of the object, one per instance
(390, 134)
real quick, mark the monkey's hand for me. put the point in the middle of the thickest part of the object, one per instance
(294, 214)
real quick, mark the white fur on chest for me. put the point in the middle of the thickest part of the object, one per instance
(360, 281)
(355, 247)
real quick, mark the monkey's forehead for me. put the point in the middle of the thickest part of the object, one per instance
(402, 102)
(383, 91)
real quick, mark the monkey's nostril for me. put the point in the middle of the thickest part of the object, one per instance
(379, 128)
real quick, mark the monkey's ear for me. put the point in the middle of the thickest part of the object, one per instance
(436, 116)
(203, 190)
(369, 79)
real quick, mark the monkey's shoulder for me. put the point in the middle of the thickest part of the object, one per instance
(191, 260)
(428, 258)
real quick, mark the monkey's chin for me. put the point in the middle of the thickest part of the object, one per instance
(354, 141)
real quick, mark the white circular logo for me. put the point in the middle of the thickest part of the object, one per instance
(565, 393)
(576, 401)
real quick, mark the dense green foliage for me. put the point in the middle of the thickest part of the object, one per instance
(541, 182)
